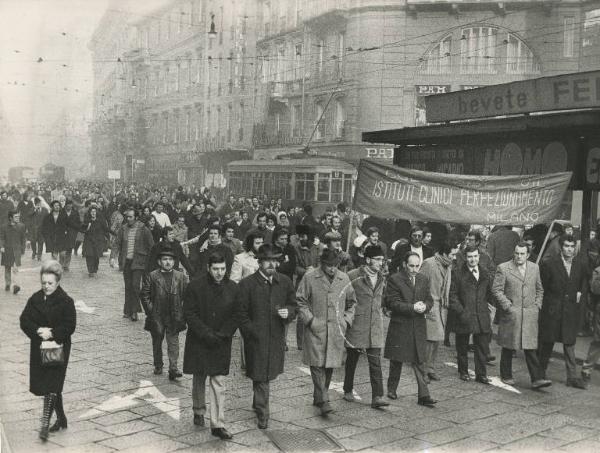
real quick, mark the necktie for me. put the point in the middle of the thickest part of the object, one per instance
(475, 274)
(412, 280)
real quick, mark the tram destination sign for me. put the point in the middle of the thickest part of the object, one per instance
(562, 92)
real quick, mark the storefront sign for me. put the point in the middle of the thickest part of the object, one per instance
(420, 92)
(562, 92)
(392, 192)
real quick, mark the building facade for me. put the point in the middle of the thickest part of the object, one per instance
(307, 77)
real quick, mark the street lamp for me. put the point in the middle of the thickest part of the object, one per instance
(212, 33)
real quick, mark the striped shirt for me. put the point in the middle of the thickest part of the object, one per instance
(131, 242)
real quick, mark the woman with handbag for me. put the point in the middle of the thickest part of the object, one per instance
(49, 321)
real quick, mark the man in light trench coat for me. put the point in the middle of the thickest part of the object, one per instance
(518, 291)
(326, 304)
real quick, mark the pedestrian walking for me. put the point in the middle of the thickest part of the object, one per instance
(168, 239)
(73, 227)
(266, 303)
(564, 279)
(593, 353)
(49, 319)
(96, 234)
(134, 242)
(518, 291)
(12, 247)
(211, 245)
(470, 294)
(408, 298)
(54, 230)
(116, 220)
(162, 299)
(326, 305)
(246, 263)
(209, 304)
(36, 236)
(414, 245)
(365, 336)
(438, 270)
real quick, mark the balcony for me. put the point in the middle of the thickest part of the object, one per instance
(266, 135)
(284, 89)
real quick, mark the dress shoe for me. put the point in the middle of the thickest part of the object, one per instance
(134, 317)
(465, 377)
(349, 397)
(508, 381)
(540, 383)
(263, 423)
(471, 348)
(198, 420)
(426, 401)
(483, 380)
(326, 408)
(576, 383)
(61, 423)
(586, 375)
(491, 361)
(173, 375)
(16, 289)
(433, 376)
(7, 288)
(392, 395)
(158, 370)
(378, 402)
(221, 433)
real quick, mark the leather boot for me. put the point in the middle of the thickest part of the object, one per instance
(46, 414)
(61, 418)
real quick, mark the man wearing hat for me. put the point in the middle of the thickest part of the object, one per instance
(266, 304)
(326, 304)
(162, 299)
(366, 333)
(307, 259)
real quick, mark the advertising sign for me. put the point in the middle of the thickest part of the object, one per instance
(562, 92)
(114, 174)
(392, 192)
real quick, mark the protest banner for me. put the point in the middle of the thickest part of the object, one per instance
(389, 191)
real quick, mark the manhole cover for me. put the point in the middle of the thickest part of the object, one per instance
(303, 440)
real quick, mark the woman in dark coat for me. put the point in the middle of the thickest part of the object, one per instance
(49, 315)
(154, 228)
(96, 234)
(54, 230)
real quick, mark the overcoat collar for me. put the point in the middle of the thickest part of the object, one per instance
(515, 270)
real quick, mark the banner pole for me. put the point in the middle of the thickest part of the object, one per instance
(545, 242)
(350, 226)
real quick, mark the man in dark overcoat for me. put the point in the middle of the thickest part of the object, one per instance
(266, 303)
(54, 230)
(415, 245)
(408, 298)
(470, 293)
(209, 305)
(73, 227)
(564, 279)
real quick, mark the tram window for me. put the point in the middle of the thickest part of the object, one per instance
(323, 187)
(280, 187)
(347, 187)
(337, 184)
(257, 183)
(305, 186)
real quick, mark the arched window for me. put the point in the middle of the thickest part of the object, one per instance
(519, 58)
(438, 60)
(478, 50)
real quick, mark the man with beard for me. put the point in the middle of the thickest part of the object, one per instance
(209, 305)
(266, 304)
(245, 264)
(326, 304)
(415, 245)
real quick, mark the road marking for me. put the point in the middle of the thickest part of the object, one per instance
(337, 386)
(83, 307)
(146, 392)
(495, 380)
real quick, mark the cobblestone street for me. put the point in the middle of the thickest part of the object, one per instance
(114, 402)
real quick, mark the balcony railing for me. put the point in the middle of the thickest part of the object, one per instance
(266, 135)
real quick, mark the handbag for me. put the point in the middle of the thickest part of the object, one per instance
(52, 354)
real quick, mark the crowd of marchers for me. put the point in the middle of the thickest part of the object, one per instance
(256, 266)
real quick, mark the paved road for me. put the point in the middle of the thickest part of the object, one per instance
(114, 402)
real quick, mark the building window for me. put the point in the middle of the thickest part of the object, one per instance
(568, 36)
(321, 47)
(298, 61)
(166, 81)
(166, 129)
(438, 59)
(296, 120)
(340, 119)
(146, 87)
(229, 115)
(305, 186)
(156, 83)
(478, 50)
(168, 27)
(339, 58)
(320, 122)
(180, 13)
(299, 12)
(241, 122)
(267, 18)
(188, 125)
(519, 58)
(323, 186)
(176, 128)
(337, 186)
(178, 77)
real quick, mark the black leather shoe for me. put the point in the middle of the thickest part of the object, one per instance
(221, 433)
(576, 383)
(326, 408)
(58, 425)
(16, 289)
(134, 317)
(198, 420)
(392, 395)
(173, 375)
(378, 402)
(433, 376)
(263, 423)
(465, 377)
(483, 380)
(158, 370)
(426, 401)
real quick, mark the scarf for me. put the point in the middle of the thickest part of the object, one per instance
(445, 262)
